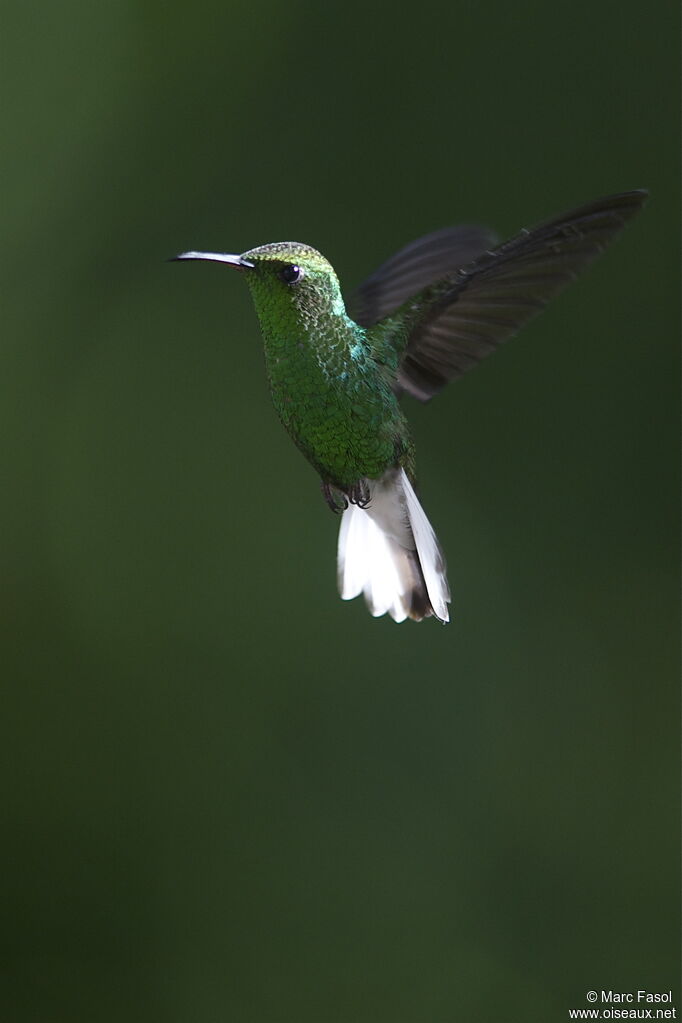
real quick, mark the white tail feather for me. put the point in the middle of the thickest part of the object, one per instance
(430, 555)
(389, 552)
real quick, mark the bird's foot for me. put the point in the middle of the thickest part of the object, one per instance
(336, 501)
(359, 494)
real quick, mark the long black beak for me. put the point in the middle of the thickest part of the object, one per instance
(217, 257)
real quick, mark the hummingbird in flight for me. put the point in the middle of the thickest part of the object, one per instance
(338, 368)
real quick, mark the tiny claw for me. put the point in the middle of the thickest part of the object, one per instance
(360, 494)
(331, 496)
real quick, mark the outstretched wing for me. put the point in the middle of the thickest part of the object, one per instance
(452, 324)
(413, 267)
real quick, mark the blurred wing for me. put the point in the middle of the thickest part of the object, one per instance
(458, 321)
(414, 267)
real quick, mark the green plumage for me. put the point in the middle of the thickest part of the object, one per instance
(329, 387)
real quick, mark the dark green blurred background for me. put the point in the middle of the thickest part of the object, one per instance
(227, 795)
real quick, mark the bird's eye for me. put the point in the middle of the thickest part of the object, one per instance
(291, 274)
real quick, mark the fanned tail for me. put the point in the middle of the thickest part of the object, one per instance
(389, 551)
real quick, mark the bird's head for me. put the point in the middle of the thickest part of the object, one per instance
(290, 282)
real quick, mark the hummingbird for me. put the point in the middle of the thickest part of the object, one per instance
(337, 370)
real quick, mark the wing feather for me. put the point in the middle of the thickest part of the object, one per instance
(458, 320)
(414, 267)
